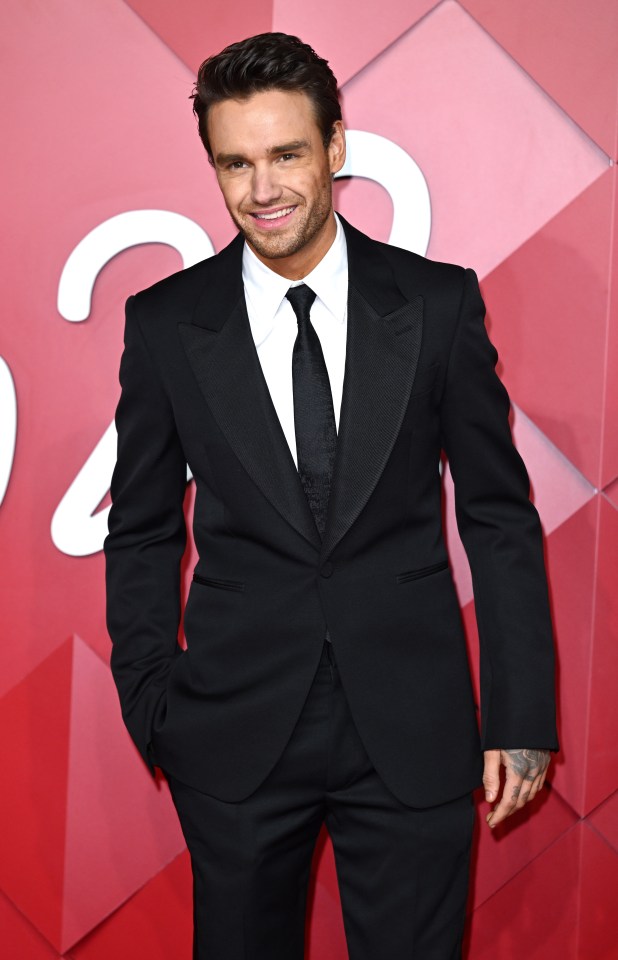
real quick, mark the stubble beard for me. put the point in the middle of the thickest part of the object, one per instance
(275, 246)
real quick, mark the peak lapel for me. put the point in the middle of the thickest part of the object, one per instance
(383, 345)
(222, 354)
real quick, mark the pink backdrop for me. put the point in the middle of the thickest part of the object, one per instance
(510, 112)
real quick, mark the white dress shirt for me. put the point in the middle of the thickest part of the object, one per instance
(274, 325)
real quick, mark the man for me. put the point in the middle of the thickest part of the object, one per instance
(310, 377)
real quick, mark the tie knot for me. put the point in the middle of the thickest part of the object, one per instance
(301, 298)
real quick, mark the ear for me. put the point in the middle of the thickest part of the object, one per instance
(337, 148)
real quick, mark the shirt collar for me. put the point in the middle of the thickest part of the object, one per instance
(265, 290)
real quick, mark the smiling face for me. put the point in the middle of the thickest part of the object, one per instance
(276, 176)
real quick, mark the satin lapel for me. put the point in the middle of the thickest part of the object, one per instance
(382, 350)
(227, 368)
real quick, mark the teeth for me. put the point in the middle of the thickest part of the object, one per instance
(274, 216)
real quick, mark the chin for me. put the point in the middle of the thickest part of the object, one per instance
(277, 251)
(276, 248)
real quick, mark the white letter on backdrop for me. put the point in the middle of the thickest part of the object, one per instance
(76, 529)
(8, 418)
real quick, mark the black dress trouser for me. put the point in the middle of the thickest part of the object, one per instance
(402, 871)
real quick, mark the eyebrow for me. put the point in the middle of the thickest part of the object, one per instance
(225, 158)
(289, 147)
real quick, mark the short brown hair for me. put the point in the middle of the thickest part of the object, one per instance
(268, 61)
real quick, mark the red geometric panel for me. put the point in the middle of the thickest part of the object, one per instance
(557, 41)
(611, 494)
(340, 35)
(609, 467)
(561, 906)
(602, 756)
(598, 889)
(154, 924)
(501, 853)
(548, 317)
(605, 820)
(194, 30)
(19, 938)
(491, 144)
(33, 798)
(537, 908)
(325, 935)
(65, 862)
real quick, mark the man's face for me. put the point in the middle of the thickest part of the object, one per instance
(275, 176)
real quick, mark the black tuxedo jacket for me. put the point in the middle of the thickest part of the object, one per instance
(419, 378)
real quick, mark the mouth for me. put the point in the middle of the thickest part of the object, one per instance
(269, 219)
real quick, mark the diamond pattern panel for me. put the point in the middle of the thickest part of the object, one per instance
(510, 110)
(609, 467)
(195, 30)
(501, 854)
(549, 305)
(602, 754)
(340, 35)
(89, 843)
(154, 924)
(561, 905)
(488, 140)
(557, 41)
(611, 494)
(605, 820)
(19, 937)
(33, 817)
(582, 564)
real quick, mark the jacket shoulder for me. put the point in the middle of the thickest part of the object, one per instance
(180, 291)
(414, 270)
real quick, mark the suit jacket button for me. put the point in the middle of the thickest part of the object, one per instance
(326, 569)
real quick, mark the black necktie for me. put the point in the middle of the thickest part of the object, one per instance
(314, 418)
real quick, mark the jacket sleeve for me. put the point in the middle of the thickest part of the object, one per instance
(146, 539)
(501, 533)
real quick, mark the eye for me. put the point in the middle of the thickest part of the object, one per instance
(236, 165)
(287, 156)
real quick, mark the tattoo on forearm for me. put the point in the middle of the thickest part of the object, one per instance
(528, 763)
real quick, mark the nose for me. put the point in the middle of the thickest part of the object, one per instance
(265, 188)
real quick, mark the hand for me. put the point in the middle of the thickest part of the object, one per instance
(525, 775)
